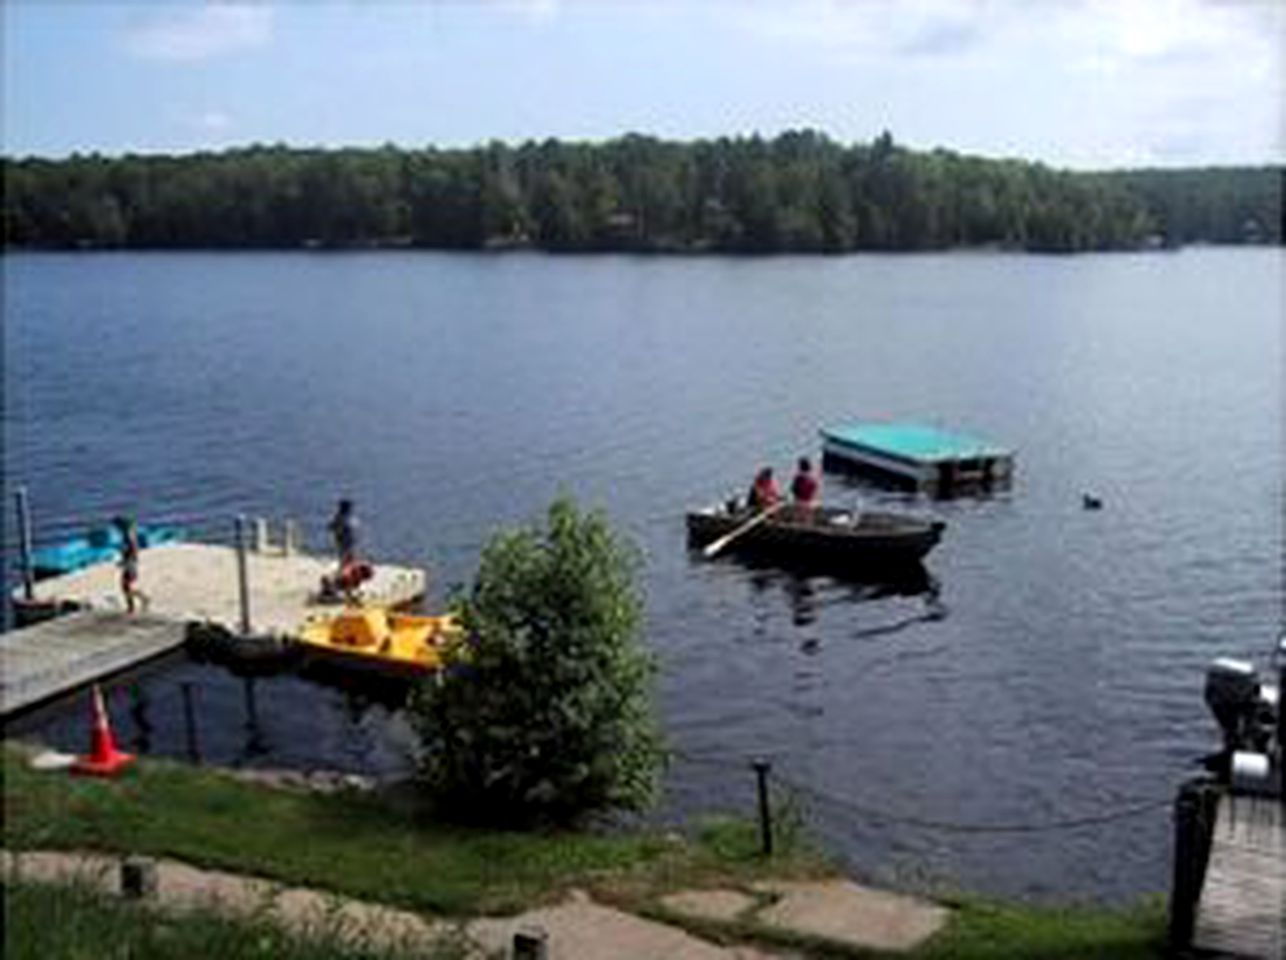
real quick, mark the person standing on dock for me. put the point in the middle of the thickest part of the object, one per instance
(343, 528)
(135, 599)
(806, 490)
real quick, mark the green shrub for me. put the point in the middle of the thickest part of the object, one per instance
(544, 713)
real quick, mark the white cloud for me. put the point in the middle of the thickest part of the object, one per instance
(1067, 80)
(529, 9)
(212, 121)
(201, 33)
(863, 29)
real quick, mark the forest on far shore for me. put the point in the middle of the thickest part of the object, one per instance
(797, 192)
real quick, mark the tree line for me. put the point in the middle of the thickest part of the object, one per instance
(799, 191)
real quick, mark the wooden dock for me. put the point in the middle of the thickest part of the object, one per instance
(189, 586)
(199, 583)
(40, 662)
(1242, 909)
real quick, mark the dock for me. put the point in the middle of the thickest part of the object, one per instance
(192, 588)
(200, 583)
(1241, 911)
(920, 457)
(40, 662)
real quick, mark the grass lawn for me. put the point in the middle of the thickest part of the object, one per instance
(358, 845)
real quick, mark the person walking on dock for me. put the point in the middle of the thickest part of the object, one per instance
(135, 598)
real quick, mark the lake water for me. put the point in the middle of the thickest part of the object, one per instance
(452, 394)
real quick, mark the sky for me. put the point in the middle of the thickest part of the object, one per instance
(1071, 83)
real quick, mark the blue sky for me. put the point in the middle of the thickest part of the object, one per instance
(1079, 83)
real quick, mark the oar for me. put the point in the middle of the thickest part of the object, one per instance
(714, 547)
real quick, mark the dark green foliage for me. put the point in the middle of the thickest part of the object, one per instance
(544, 713)
(1211, 205)
(800, 191)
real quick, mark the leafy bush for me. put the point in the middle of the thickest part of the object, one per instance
(544, 712)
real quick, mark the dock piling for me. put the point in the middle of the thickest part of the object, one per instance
(1195, 809)
(243, 578)
(261, 535)
(189, 721)
(1183, 893)
(290, 538)
(24, 543)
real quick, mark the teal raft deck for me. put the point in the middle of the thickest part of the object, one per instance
(922, 457)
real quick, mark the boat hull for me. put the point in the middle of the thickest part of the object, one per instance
(866, 540)
(101, 545)
(375, 641)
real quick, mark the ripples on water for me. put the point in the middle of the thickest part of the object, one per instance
(1055, 673)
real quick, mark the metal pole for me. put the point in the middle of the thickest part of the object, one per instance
(189, 718)
(243, 577)
(761, 768)
(24, 543)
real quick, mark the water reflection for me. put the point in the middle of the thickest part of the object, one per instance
(886, 488)
(809, 589)
(360, 690)
(190, 735)
(140, 704)
(257, 743)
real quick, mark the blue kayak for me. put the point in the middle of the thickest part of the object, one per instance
(99, 545)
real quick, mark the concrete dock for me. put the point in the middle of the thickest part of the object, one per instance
(1242, 909)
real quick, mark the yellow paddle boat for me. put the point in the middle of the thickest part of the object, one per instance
(374, 638)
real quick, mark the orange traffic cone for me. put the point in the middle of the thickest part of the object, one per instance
(104, 759)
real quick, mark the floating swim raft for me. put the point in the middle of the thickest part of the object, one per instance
(919, 456)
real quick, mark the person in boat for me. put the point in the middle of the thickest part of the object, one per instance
(135, 599)
(806, 490)
(763, 492)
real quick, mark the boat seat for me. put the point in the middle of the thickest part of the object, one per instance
(361, 628)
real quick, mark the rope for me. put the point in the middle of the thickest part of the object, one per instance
(878, 815)
(948, 826)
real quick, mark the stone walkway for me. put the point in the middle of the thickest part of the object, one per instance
(577, 928)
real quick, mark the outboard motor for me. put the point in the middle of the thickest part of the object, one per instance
(1252, 716)
(1232, 694)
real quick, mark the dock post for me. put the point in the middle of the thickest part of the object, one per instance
(290, 538)
(243, 578)
(761, 768)
(24, 543)
(189, 718)
(1193, 811)
(261, 535)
